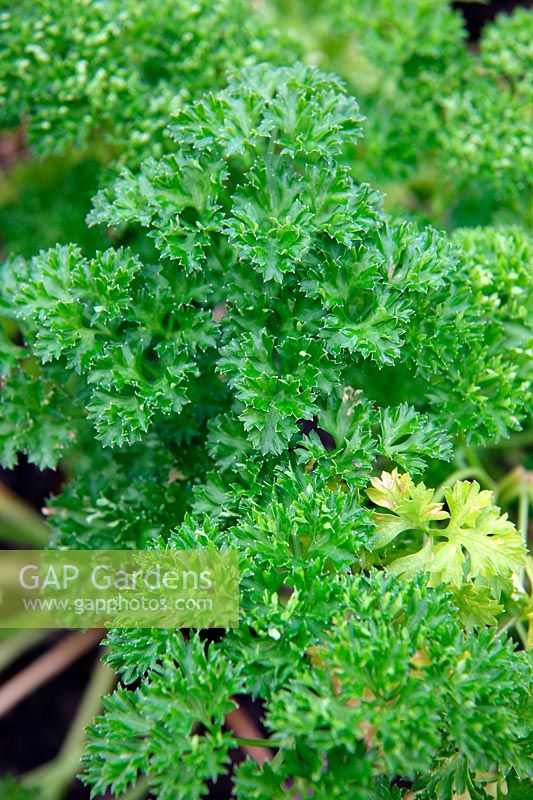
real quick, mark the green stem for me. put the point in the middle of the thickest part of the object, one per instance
(18, 644)
(504, 627)
(523, 514)
(473, 458)
(465, 472)
(521, 631)
(523, 527)
(19, 523)
(244, 742)
(54, 778)
(138, 791)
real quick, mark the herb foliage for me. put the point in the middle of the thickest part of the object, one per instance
(257, 352)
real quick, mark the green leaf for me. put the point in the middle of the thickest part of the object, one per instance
(478, 546)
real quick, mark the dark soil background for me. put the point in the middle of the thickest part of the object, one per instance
(32, 733)
(477, 14)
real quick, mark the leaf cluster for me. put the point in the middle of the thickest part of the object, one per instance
(117, 68)
(449, 125)
(262, 340)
